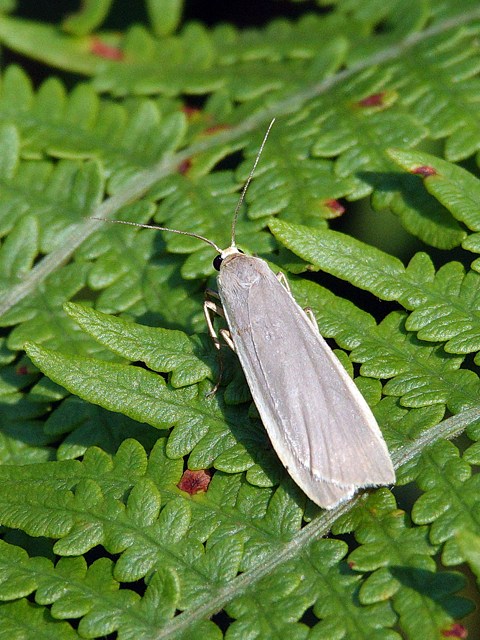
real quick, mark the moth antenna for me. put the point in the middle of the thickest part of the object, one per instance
(247, 183)
(153, 226)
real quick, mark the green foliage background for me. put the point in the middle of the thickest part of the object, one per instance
(158, 117)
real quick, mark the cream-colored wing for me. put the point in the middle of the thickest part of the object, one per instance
(318, 422)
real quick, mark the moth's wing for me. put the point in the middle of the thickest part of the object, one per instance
(318, 422)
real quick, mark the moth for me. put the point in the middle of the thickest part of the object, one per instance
(318, 422)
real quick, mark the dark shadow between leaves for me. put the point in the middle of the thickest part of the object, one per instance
(172, 301)
(404, 194)
(437, 587)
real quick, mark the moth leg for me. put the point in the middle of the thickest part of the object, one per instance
(211, 293)
(210, 309)
(282, 278)
(225, 333)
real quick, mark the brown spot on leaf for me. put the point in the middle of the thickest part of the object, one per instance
(193, 482)
(373, 100)
(456, 630)
(190, 112)
(215, 128)
(335, 207)
(22, 370)
(425, 171)
(184, 166)
(104, 50)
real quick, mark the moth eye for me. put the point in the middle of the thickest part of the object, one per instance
(217, 261)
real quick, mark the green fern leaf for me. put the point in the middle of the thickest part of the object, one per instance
(454, 187)
(164, 15)
(125, 140)
(44, 191)
(470, 547)
(203, 424)
(81, 425)
(434, 505)
(213, 196)
(310, 197)
(37, 320)
(90, 16)
(415, 549)
(178, 521)
(336, 253)
(417, 287)
(22, 618)
(19, 251)
(188, 360)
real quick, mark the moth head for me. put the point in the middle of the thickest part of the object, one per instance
(217, 261)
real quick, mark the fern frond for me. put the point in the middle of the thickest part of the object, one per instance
(443, 304)
(164, 129)
(188, 360)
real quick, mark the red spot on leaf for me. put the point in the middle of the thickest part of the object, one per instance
(184, 166)
(190, 112)
(195, 481)
(351, 564)
(424, 171)
(22, 370)
(373, 100)
(336, 208)
(104, 50)
(455, 631)
(215, 128)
